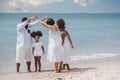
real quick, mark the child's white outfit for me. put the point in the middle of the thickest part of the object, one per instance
(66, 47)
(38, 48)
(55, 49)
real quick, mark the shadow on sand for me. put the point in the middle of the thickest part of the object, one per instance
(71, 70)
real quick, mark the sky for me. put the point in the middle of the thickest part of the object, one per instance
(59, 6)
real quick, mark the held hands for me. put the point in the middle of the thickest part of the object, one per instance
(33, 18)
(36, 17)
(46, 17)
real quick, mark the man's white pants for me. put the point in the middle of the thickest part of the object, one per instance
(23, 54)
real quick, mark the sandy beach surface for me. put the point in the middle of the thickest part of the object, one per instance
(98, 71)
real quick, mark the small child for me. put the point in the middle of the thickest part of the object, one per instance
(37, 49)
(66, 42)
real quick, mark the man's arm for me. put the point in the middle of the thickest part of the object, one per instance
(33, 23)
(23, 24)
(36, 22)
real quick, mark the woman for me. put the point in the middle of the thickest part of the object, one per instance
(55, 50)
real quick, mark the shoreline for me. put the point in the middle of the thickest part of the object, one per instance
(98, 71)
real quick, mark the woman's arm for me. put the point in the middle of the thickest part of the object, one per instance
(52, 28)
(43, 49)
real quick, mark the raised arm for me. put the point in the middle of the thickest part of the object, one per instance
(52, 28)
(36, 22)
(23, 24)
(33, 23)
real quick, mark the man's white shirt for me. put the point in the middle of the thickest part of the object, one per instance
(24, 39)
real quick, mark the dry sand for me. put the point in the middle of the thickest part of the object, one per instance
(99, 71)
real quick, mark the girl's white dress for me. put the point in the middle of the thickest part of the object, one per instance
(66, 47)
(55, 49)
(37, 49)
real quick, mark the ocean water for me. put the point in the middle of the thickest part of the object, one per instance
(96, 37)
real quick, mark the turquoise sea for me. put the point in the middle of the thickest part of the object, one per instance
(96, 38)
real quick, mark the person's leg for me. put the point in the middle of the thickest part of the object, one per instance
(17, 67)
(56, 67)
(39, 63)
(60, 66)
(68, 67)
(63, 68)
(28, 66)
(35, 59)
(27, 57)
(19, 57)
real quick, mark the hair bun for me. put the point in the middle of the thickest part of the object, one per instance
(39, 33)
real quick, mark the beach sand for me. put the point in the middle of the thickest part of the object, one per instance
(98, 71)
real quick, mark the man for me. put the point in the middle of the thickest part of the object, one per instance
(24, 42)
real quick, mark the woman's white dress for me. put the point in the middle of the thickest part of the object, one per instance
(55, 49)
(66, 53)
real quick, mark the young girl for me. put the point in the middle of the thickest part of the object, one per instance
(66, 42)
(37, 49)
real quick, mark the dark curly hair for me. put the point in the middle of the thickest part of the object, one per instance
(50, 21)
(38, 33)
(61, 23)
(24, 19)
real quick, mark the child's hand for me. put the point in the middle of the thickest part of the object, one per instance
(72, 46)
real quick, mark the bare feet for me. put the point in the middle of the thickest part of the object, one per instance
(29, 71)
(57, 71)
(17, 71)
(39, 70)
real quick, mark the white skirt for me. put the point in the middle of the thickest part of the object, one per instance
(55, 53)
(23, 54)
(55, 49)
